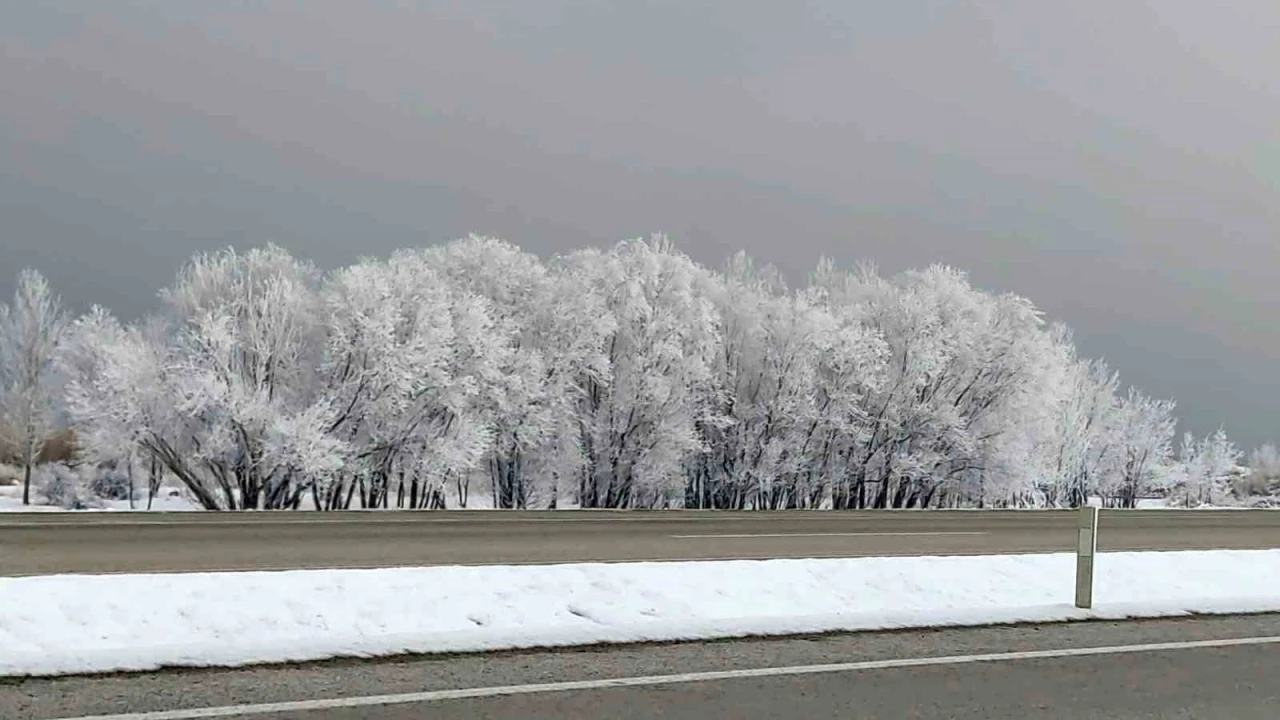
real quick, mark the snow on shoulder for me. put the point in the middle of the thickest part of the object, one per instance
(69, 624)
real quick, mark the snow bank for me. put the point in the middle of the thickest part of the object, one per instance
(77, 624)
(163, 503)
(170, 499)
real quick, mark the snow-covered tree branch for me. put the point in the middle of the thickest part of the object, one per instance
(627, 377)
(30, 330)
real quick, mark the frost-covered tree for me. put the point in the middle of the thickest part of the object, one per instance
(548, 335)
(82, 362)
(964, 369)
(760, 449)
(627, 377)
(827, 361)
(1143, 438)
(640, 426)
(1081, 448)
(1101, 442)
(242, 356)
(30, 330)
(1011, 433)
(1266, 460)
(222, 392)
(1264, 469)
(1203, 473)
(114, 394)
(519, 400)
(409, 366)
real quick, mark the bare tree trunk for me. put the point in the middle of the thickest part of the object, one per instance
(336, 497)
(464, 489)
(351, 489)
(437, 499)
(153, 481)
(495, 484)
(26, 482)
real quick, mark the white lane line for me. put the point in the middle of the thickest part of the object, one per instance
(828, 534)
(658, 680)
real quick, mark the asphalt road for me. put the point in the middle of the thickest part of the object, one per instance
(965, 674)
(125, 542)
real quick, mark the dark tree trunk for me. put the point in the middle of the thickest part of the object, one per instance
(153, 481)
(351, 491)
(464, 489)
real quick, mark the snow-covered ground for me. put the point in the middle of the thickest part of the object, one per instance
(1247, 504)
(76, 624)
(173, 499)
(169, 500)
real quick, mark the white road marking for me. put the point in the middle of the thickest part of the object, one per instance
(828, 534)
(659, 680)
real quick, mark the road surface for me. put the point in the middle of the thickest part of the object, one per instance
(140, 542)
(1094, 670)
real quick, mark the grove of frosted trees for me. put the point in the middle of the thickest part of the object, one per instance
(627, 378)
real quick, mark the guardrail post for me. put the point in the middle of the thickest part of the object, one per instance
(1086, 549)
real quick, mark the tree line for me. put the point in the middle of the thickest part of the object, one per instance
(630, 377)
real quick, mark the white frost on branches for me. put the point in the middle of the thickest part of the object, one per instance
(627, 377)
(30, 331)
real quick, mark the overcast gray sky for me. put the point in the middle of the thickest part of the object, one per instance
(1118, 161)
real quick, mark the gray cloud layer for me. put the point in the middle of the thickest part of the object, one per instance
(1117, 161)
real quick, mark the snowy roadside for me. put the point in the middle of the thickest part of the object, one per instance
(11, 501)
(79, 624)
(175, 499)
